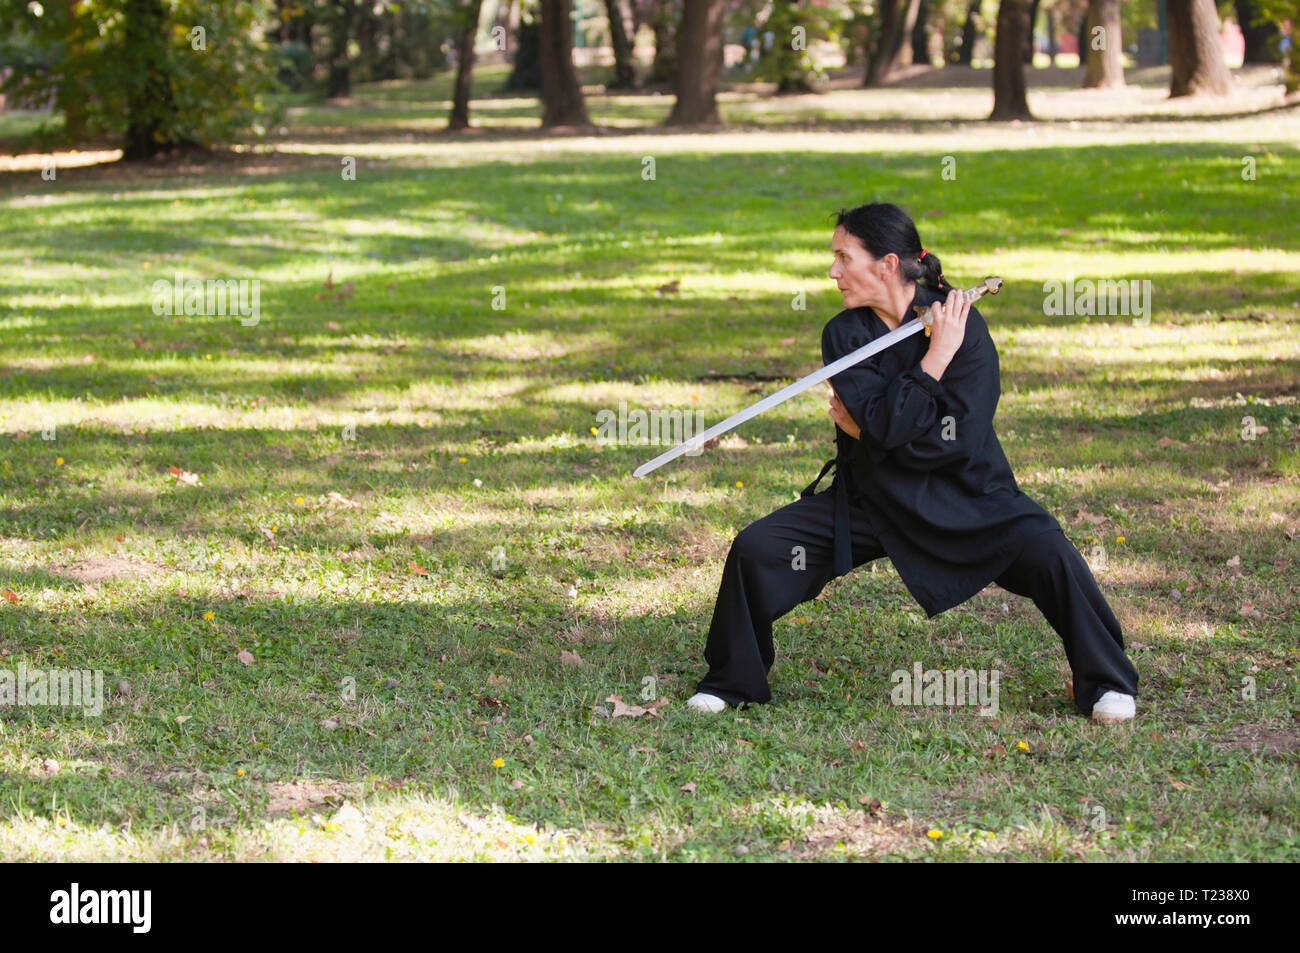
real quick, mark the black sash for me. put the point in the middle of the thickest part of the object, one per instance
(843, 531)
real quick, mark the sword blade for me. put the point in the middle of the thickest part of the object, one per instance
(785, 393)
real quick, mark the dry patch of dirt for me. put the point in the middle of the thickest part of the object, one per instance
(861, 834)
(111, 569)
(1260, 740)
(305, 797)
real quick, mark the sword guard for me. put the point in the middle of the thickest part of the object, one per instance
(987, 286)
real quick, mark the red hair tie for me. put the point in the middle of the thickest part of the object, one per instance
(922, 254)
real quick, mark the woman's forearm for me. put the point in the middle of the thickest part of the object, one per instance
(935, 362)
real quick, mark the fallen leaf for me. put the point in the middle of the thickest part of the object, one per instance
(622, 710)
(570, 658)
(495, 680)
(687, 788)
(185, 476)
(11, 596)
(244, 656)
(671, 288)
(417, 570)
(335, 497)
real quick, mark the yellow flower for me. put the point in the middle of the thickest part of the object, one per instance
(207, 357)
(209, 615)
(1119, 539)
(1022, 746)
(933, 834)
(240, 772)
(274, 528)
(62, 821)
(462, 459)
(58, 462)
(740, 483)
(498, 763)
(298, 500)
(593, 430)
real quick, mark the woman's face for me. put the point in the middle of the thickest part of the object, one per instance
(861, 278)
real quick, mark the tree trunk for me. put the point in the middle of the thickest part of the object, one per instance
(698, 46)
(526, 74)
(968, 34)
(663, 23)
(624, 68)
(1052, 46)
(885, 23)
(1105, 66)
(1194, 51)
(1261, 38)
(71, 97)
(1009, 100)
(340, 68)
(562, 102)
(466, 31)
(1029, 37)
(892, 53)
(149, 103)
(921, 35)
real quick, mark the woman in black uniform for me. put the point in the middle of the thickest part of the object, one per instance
(920, 477)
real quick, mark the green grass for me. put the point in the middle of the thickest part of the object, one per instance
(1120, 431)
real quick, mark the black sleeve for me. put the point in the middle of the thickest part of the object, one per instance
(919, 422)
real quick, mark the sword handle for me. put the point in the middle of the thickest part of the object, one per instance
(989, 285)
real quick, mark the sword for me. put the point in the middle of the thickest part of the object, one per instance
(922, 321)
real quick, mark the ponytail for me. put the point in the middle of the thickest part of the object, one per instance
(931, 273)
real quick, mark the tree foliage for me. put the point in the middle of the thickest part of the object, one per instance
(158, 73)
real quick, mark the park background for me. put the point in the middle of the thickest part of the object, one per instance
(363, 582)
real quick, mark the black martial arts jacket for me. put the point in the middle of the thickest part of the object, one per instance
(948, 512)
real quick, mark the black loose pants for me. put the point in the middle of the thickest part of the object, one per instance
(766, 575)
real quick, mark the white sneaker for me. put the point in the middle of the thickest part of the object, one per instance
(702, 702)
(1114, 706)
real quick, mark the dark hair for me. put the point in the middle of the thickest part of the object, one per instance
(883, 227)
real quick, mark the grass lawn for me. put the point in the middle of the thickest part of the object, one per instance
(381, 607)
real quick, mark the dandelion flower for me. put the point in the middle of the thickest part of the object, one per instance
(933, 834)
(209, 615)
(58, 462)
(1022, 746)
(498, 763)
